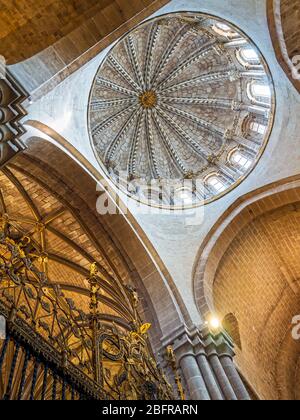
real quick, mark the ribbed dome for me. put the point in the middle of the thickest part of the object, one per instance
(184, 96)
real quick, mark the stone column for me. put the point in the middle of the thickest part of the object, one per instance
(184, 350)
(193, 378)
(218, 345)
(205, 358)
(209, 378)
(222, 378)
(234, 378)
(11, 128)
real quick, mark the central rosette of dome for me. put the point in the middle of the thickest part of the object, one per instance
(148, 99)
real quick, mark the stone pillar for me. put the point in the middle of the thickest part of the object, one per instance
(220, 350)
(205, 358)
(222, 378)
(209, 378)
(184, 350)
(234, 378)
(193, 378)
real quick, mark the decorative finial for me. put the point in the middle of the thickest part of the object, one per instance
(94, 288)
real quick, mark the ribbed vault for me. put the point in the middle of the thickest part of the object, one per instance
(172, 102)
(68, 247)
(57, 260)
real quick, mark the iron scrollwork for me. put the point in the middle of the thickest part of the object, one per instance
(106, 359)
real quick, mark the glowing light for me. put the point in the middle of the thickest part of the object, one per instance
(214, 322)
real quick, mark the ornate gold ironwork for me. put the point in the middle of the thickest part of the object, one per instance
(171, 358)
(110, 352)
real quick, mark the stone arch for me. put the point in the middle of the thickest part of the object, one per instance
(45, 42)
(241, 213)
(231, 326)
(283, 19)
(249, 268)
(162, 304)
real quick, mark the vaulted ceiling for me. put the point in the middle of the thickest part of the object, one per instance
(170, 103)
(28, 27)
(61, 236)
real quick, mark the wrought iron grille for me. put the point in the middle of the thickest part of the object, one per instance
(53, 350)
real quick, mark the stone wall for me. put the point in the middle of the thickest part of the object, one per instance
(290, 15)
(284, 24)
(253, 281)
(51, 39)
(248, 273)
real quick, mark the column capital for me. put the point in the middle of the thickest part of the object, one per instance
(218, 343)
(197, 340)
(12, 96)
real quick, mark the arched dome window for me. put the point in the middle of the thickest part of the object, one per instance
(259, 93)
(184, 196)
(258, 128)
(248, 57)
(249, 54)
(223, 27)
(261, 90)
(237, 158)
(225, 30)
(216, 183)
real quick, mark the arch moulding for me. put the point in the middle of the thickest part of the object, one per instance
(144, 263)
(245, 210)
